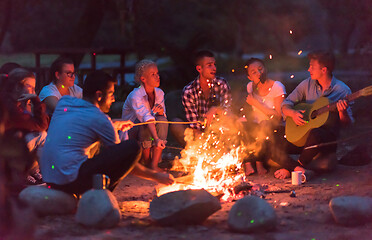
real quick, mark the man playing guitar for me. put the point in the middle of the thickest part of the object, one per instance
(320, 84)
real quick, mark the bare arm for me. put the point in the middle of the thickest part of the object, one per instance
(296, 115)
(146, 173)
(159, 143)
(51, 103)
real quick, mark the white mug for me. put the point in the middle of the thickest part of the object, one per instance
(298, 178)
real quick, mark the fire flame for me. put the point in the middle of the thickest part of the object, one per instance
(214, 159)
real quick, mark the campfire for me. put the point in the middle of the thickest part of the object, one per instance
(214, 161)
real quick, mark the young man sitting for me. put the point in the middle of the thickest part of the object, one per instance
(76, 127)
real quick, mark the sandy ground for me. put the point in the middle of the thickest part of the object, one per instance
(306, 216)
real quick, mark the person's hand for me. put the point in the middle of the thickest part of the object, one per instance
(158, 109)
(123, 125)
(159, 143)
(164, 178)
(26, 97)
(342, 105)
(210, 115)
(298, 117)
(250, 99)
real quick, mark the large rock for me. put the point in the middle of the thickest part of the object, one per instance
(351, 210)
(47, 201)
(98, 208)
(184, 207)
(251, 214)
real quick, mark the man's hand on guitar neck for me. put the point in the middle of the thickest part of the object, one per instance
(296, 115)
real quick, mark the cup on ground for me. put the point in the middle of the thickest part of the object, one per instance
(298, 178)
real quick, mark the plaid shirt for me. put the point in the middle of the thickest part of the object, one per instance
(196, 106)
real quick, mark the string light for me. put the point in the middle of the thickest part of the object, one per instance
(299, 52)
(290, 32)
(292, 76)
(271, 56)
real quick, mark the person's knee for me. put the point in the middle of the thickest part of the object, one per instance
(162, 128)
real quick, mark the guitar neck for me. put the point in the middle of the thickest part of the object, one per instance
(333, 106)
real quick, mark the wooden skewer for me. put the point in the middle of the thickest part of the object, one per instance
(144, 123)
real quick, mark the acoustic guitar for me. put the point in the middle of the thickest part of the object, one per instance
(316, 115)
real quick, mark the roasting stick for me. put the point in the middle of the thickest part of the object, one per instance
(338, 141)
(144, 123)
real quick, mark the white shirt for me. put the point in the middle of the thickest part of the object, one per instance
(75, 128)
(137, 105)
(52, 90)
(276, 90)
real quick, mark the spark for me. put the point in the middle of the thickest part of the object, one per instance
(299, 52)
(245, 66)
(275, 130)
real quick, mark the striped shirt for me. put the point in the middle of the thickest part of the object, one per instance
(196, 105)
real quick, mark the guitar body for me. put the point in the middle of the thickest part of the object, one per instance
(298, 134)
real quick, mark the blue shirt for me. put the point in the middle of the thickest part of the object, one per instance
(309, 90)
(76, 126)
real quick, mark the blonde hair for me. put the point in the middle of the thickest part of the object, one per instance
(140, 68)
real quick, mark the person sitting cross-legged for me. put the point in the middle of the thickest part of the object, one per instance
(67, 162)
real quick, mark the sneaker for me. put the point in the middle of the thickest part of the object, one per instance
(37, 176)
(30, 180)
